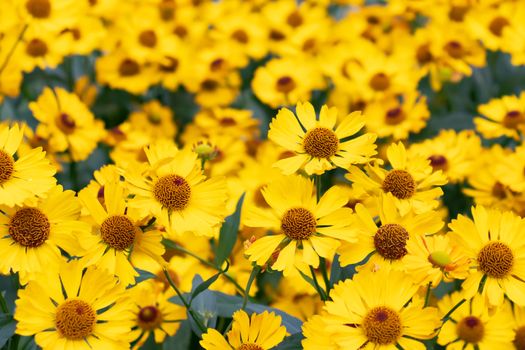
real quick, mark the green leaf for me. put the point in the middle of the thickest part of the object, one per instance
(144, 275)
(204, 307)
(206, 284)
(27, 343)
(338, 273)
(181, 340)
(292, 342)
(7, 328)
(228, 234)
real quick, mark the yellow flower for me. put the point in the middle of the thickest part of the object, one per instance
(494, 241)
(490, 24)
(373, 311)
(49, 15)
(154, 313)
(411, 181)
(75, 308)
(256, 332)
(67, 122)
(173, 189)
(234, 122)
(387, 244)
(119, 242)
(154, 119)
(504, 116)
(519, 327)
(472, 326)
(40, 49)
(23, 177)
(32, 235)
(318, 145)
(303, 229)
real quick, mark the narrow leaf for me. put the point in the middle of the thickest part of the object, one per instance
(228, 234)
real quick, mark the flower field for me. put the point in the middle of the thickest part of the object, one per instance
(262, 174)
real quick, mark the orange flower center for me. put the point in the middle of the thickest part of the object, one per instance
(512, 119)
(7, 167)
(438, 162)
(382, 326)
(249, 346)
(495, 259)
(172, 191)
(128, 68)
(118, 232)
(519, 339)
(148, 38)
(285, 84)
(149, 317)
(400, 183)
(240, 36)
(470, 329)
(36, 48)
(298, 223)
(39, 8)
(209, 85)
(390, 241)
(497, 24)
(380, 82)
(66, 123)
(394, 116)
(75, 319)
(321, 143)
(454, 49)
(29, 227)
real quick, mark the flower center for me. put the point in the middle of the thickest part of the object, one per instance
(439, 259)
(249, 346)
(39, 8)
(118, 232)
(148, 38)
(380, 82)
(497, 25)
(454, 49)
(172, 191)
(167, 10)
(519, 339)
(394, 116)
(423, 54)
(241, 36)
(7, 167)
(29, 227)
(276, 35)
(457, 13)
(495, 259)
(169, 65)
(321, 143)
(36, 48)
(75, 319)
(149, 317)
(209, 85)
(285, 84)
(382, 325)
(400, 183)
(66, 123)
(470, 329)
(128, 68)
(438, 162)
(390, 241)
(498, 190)
(298, 223)
(218, 65)
(512, 119)
(294, 19)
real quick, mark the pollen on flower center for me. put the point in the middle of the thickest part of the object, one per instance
(75, 319)
(321, 143)
(470, 329)
(39, 8)
(149, 317)
(29, 227)
(298, 223)
(66, 123)
(148, 38)
(128, 68)
(519, 339)
(7, 167)
(249, 346)
(495, 259)
(390, 241)
(172, 191)
(285, 84)
(400, 183)
(382, 325)
(118, 232)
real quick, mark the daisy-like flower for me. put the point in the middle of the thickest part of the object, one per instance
(31, 236)
(22, 177)
(75, 308)
(411, 181)
(373, 312)
(318, 145)
(387, 242)
(154, 313)
(118, 243)
(471, 326)
(175, 191)
(434, 259)
(256, 332)
(495, 243)
(504, 116)
(67, 122)
(303, 229)
(519, 327)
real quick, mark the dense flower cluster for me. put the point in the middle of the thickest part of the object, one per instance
(262, 174)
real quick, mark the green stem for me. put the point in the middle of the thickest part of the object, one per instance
(255, 271)
(446, 317)
(320, 291)
(427, 296)
(10, 53)
(3, 304)
(324, 272)
(73, 175)
(195, 317)
(209, 264)
(318, 186)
